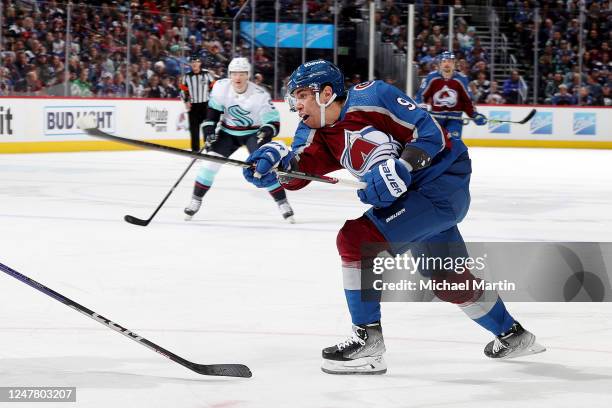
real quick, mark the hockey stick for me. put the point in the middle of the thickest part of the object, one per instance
(143, 223)
(526, 119)
(89, 127)
(226, 370)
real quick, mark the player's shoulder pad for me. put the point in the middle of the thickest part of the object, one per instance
(220, 90)
(221, 84)
(379, 93)
(364, 93)
(257, 88)
(433, 75)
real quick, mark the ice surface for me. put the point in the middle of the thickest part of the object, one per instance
(239, 285)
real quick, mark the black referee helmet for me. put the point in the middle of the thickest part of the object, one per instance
(195, 57)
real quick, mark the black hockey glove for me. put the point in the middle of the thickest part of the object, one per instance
(208, 130)
(264, 135)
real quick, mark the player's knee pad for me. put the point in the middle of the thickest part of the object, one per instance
(353, 235)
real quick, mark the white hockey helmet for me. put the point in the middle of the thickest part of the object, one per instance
(239, 64)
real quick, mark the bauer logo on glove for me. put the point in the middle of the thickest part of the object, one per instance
(385, 183)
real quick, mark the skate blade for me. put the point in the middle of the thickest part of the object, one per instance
(360, 366)
(188, 217)
(534, 348)
(290, 220)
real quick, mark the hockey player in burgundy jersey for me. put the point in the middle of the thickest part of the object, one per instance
(417, 181)
(446, 92)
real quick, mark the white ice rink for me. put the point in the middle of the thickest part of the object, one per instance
(237, 284)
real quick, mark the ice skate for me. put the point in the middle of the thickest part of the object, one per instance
(515, 342)
(362, 353)
(286, 210)
(192, 208)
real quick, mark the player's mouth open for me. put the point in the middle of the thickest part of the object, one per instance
(305, 117)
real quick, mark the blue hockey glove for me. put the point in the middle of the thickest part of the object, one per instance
(480, 119)
(385, 183)
(265, 159)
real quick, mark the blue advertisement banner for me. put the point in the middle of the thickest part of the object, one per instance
(497, 127)
(585, 123)
(542, 123)
(290, 34)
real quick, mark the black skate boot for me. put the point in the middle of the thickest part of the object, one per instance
(193, 208)
(515, 342)
(286, 210)
(362, 353)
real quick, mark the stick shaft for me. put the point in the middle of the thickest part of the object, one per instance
(101, 319)
(220, 160)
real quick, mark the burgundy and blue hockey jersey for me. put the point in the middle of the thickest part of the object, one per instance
(451, 96)
(376, 122)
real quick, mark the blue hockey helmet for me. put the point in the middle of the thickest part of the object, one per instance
(315, 75)
(446, 55)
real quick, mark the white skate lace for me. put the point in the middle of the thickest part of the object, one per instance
(498, 345)
(353, 339)
(285, 208)
(194, 205)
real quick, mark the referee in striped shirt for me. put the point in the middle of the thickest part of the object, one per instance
(195, 89)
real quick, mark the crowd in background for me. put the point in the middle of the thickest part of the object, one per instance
(560, 80)
(166, 33)
(431, 38)
(164, 36)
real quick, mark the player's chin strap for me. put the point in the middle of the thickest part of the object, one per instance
(323, 106)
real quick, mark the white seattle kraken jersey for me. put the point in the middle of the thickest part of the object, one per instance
(245, 113)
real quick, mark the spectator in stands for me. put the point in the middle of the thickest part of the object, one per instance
(428, 58)
(564, 63)
(494, 97)
(118, 87)
(480, 88)
(479, 68)
(606, 96)
(6, 85)
(552, 86)
(105, 86)
(46, 73)
(170, 88)
(584, 97)
(477, 53)
(30, 84)
(511, 88)
(154, 89)
(436, 35)
(466, 42)
(464, 67)
(593, 84)
(136, 88)
(259, 80)
(563, 97)
(262, 63)
(81, 86)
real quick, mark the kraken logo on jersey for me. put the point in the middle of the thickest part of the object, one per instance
(445, 97)
(240, 116)
(366, 147)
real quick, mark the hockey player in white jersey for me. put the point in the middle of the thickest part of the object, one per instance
(248, 118)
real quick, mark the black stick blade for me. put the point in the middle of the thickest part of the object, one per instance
(136, 221)
(224, 370)
(529, 116)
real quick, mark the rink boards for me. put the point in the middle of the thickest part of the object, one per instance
(37, 124)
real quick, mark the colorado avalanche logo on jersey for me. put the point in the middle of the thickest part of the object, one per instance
(366, 147)
(445, 97)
